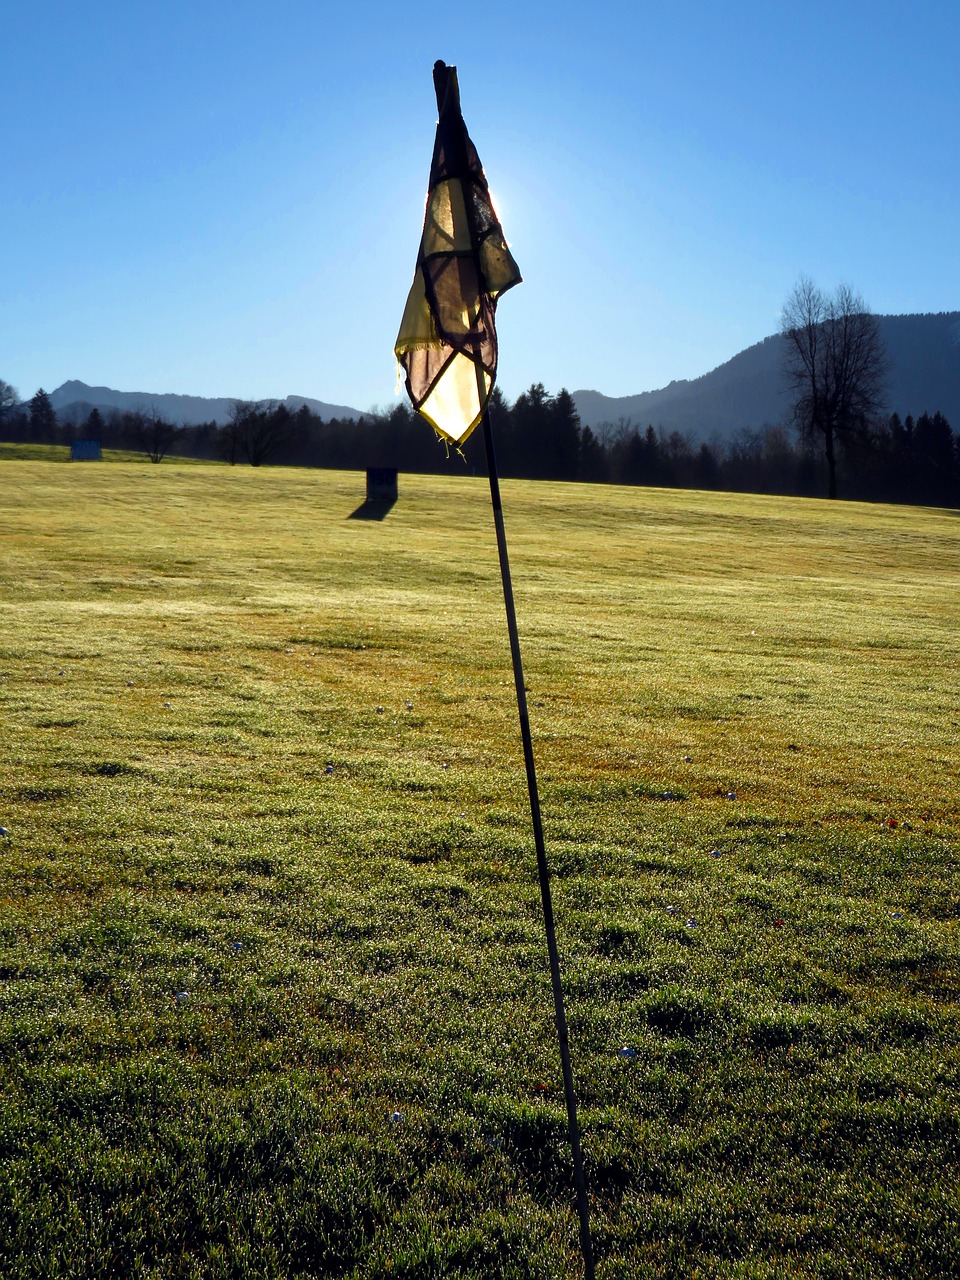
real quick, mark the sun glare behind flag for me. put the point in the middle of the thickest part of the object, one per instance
(447, 344)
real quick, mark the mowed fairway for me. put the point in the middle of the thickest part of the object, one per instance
(273, 990)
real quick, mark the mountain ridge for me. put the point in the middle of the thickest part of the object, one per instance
(178, 409)
(746, 392)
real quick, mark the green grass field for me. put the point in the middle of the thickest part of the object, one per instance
(61, 453)
(267, 881)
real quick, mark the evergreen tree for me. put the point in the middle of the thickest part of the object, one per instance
(560, 448)
(529, 421)
(593, 458)
(934, 453)
(43, 419)
(707, 472)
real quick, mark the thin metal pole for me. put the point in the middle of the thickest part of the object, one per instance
(442, 80)
(543, 872)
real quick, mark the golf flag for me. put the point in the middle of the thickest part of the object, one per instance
(447, 344)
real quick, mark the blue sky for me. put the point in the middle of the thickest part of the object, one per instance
(226, 199)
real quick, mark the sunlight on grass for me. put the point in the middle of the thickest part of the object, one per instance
(275, 998)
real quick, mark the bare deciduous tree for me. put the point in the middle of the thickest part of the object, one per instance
(836, 366)
(258, 428)
(157, 436)
(8, 398)
(266, 430)
(230, 436)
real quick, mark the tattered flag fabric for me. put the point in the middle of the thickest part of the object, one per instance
(447, 344)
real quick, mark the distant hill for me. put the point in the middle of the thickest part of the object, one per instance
(74, 400)
(744, 393)
(747, 391)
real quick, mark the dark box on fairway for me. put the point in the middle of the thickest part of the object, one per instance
(85, 451)
(381, 484)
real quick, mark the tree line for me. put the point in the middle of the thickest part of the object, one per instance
(834, 367)
(540, 437)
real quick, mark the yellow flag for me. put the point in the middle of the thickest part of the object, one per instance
(447, 344)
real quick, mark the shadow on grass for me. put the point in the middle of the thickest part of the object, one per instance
(373, 509)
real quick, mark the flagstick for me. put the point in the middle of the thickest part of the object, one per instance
(445, 84)
(573, 1127)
